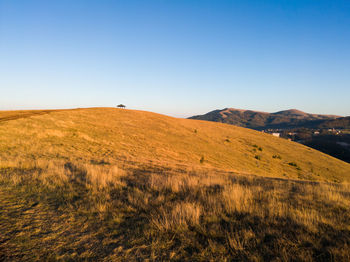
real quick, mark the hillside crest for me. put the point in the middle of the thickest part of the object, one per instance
(139, 138)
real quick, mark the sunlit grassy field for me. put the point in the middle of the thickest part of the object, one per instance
(119, 136)
(111, 184)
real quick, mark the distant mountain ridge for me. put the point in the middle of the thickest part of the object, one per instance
(341, 122)
(291, 118)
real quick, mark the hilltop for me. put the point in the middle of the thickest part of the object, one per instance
(107, 184)
(292, 118)
(145, 138)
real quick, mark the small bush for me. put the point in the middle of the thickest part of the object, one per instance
(258, 147)
(201, 160)
(295, 165)
(277, 156)
(258, 157)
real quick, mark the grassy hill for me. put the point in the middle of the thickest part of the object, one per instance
(108, 184)
(127, 136)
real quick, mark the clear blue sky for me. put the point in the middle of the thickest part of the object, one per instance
(177, 57)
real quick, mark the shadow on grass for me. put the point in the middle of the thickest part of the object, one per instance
(61, 223)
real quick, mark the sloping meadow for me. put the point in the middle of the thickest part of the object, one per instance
(121, 185)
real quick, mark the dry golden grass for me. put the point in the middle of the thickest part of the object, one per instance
(119, 185)
(17, 114)
(167, 215)
(180, 215)
(128, 137)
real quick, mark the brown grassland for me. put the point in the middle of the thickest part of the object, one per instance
(106, 184)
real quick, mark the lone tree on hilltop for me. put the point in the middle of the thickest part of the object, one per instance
(121, 106)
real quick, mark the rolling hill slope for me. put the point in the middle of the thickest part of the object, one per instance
(128, 137)
(106, 184)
